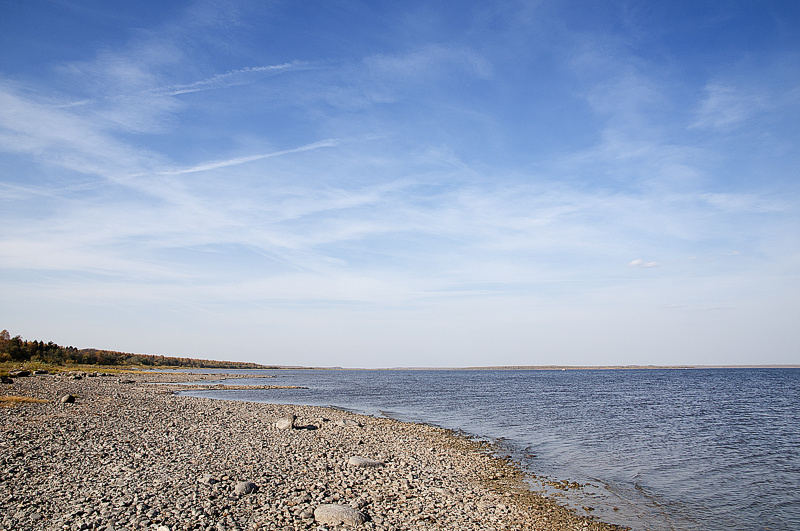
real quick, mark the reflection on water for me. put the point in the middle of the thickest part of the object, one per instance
(701, 449)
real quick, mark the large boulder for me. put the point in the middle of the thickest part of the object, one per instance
(333, 514)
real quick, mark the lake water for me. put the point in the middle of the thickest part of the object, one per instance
(693, 449)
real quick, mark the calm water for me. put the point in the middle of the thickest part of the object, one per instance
(710, 449)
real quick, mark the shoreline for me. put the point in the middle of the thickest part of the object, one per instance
(136, 456)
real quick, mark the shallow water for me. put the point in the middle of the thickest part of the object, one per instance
(700, 449)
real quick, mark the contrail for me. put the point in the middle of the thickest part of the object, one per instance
(223, 80)
(241, 160)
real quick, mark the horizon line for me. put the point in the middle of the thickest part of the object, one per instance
(511, 367)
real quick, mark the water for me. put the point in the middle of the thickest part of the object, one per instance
(702, 449)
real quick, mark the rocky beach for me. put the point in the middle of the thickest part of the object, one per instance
(123, 452)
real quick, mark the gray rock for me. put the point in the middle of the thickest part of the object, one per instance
(125, 381)
(40, 372)
(348, 422)
(363, 462)
(68, 399)
(244, 487)
(286, 423)
(338, 514)
(19, 373)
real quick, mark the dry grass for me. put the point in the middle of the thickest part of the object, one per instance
(11, 401)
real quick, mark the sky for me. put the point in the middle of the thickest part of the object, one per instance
(385, 184)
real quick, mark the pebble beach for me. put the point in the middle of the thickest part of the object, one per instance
(124, 452)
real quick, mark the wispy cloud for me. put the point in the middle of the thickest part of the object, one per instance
(430, 60)
(60, 137)
(726, 106)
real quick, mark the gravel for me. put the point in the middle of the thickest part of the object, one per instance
(130, 455)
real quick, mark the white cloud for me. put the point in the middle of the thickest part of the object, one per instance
(726, 106)
(641, 263)
(61, 137)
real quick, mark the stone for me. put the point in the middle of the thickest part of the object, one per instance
(286, 423)
(244, 487)
(305, 498)
(19, 373)
(207, 479)
(125, 381)
(348, 422)
(363, 462)
(40, 372)
(333, 514)
(68, 399)
(6, 380)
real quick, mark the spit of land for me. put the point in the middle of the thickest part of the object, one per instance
(129, 454)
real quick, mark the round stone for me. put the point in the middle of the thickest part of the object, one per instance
(285, 423)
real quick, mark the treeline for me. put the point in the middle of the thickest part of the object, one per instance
(18, 350)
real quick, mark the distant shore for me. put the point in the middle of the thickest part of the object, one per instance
(128, 454)
(502, 368)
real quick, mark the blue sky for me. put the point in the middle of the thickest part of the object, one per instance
(384, 184)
